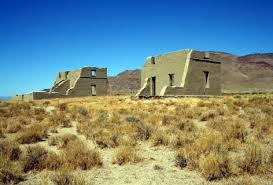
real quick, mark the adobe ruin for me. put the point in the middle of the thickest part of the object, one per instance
(179, 73)
(86, 81)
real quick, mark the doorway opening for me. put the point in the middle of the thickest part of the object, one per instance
(93, 90)
(171, 79)
(153, 89)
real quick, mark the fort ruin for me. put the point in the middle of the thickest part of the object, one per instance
(86, 81)
(185, 72)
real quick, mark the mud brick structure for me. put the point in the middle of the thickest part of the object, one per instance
(185, 72)
(86, 81)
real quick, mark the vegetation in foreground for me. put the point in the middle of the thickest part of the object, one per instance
(219, 138)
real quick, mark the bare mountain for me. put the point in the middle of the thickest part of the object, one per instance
(248, 73)
(126, 82)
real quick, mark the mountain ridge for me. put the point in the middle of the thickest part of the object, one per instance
(246, 73)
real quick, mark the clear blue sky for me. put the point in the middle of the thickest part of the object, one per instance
(38, 38)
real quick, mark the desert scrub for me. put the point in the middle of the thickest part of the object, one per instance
(53, 161)
(33, 134)
(126, 154)
(160, 138)
(252, 161)
(236, 130)
(80, 112)
(143, 131)
(107, 138)
(10, 149)
(60, 119)
(206, 142)
(179, 139)
(208, 115)
(2, 135)
(186, 125)
(65, 177)
(63, 107)
(181, 159)
(219, 124)
(13, 125)
(169, 119)
(61, 141)
(76, 155)
(214, 166)
(35, 157)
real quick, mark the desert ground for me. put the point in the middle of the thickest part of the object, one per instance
(119, 140)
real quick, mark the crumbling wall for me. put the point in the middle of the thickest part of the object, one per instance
(195, 73)
(62, 87)
(83, 87)
(195, 80)
(163, 65)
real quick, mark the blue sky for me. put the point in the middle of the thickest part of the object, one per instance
(38, 38)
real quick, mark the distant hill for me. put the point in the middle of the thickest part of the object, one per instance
(5, 97)
(126, 82)
(248, 73)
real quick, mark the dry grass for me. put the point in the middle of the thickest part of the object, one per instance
(126, 154)
(77, 156)
(214, 137)
(61, 141)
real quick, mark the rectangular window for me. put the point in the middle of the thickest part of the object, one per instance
(93, 73)
(206, 79)
(153, 60)
(171, 79)
(93, 90)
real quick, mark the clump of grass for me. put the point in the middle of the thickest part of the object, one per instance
(126, 154)
(219, 124)
(252, 158)
(10, 149)
(34, 158)
(214, 166)
(180, 139)
(33, 134)
(61, 141)
(40, 114)
(180, 159)
(65, 177)
(186, 125)
(160, 138)
(2, 135)
(208, 116)
(63, 106)
(10, 177)
(236, 130)
(143, 131)
(46, 103)
(59, 119)
(168, 119)
(77, 155)
(52, 161)
(13, 128)
(205, 143)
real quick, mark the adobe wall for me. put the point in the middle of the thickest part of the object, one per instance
(100, 72)
(195, 80)
(83, 87)
(170, 63)
(62, 87)
(61, 76)
(73, 76)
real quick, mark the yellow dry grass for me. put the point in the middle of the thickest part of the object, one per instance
(219, 138)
